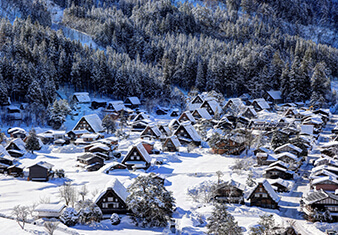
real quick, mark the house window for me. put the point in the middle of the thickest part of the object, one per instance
(110, 199)
(261, 189)
(116, 200)
(182, 131)
(115, 205)
(132, 158)
(135, 153)
(104, 205)
(138, 158)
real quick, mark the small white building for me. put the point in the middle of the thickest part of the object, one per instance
(49, 210)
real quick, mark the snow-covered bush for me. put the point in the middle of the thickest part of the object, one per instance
(69, 216)
(115, 219)
(88, 212)
(60, 173)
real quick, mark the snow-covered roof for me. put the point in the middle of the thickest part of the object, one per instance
(154, 128)
(189, 116)
(320, 180)
(325, 167)
(43, 164)
(117, 187)
(142, 116)
(315, 119)
(117, 105)
(94, 121)
(276, 95)
(203, 113)
(316, 174)
(16, 130)
(319, 195)
(91, 135)
(295, 148)
(283, 164)
(141, 150)
(52, 208)
(19, 143)
(134, 100)
(279, 181)
(307, 129)
(325, 159)
(98, 145)
(251, 109)
(277, 168)
(214, 105)
(287, 154)
(262, 103)
(3, 151)
(175, 141)
(194, 106)
(269, 190)
(82, 97)
(235, 184)
(191, 131)
(236, 101)
(330, 144)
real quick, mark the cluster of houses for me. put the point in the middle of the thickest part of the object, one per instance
(264, 115)
(322, 199)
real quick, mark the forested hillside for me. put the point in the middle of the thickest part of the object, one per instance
(232, 46)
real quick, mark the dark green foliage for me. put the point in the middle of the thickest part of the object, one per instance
(32, 142)
(109, 124)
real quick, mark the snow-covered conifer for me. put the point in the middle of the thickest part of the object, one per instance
(32, 142)
(151, 203)
(221, 222)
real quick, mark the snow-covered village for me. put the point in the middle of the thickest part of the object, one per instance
(117, 166)
(183, 117)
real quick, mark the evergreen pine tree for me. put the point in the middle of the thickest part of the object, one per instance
(320, 84)
(3, 92)
(266, 226)
(221, 222)
(151, 203)
(32, 142)
(109, 124)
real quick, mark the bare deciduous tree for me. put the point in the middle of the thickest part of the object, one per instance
(50, 226)
(83, 192)
(21, 215)
(68, 193)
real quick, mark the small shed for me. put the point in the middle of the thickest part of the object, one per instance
(40, 171)
(49, 210)
(132, 102)
(81, 97)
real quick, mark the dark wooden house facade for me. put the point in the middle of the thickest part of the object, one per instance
(264, 196)
(113, 199)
